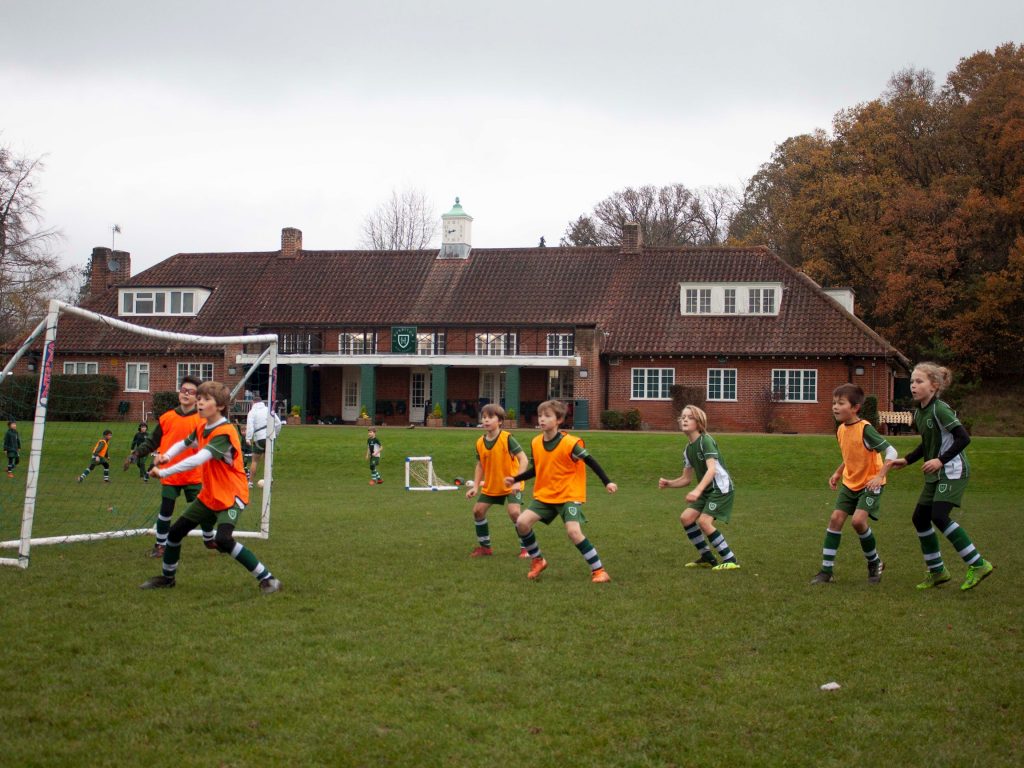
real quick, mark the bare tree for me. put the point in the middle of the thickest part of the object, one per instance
(30, 272)
(405, 222)
(670, 215)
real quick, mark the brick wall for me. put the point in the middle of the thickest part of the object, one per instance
(752, 411)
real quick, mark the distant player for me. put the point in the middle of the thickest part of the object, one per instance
(943, 440)
(258, 424)
(373, 452)
(172, 427)
(224, 494)
(137, 440)
(498, 455)
(99, 456)
(560, 489)
(711, 500)
(862, 472)
(12, 447)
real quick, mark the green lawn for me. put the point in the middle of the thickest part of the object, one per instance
(389, 646)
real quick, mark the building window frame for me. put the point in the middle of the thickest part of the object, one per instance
(357, 343)
(795, 385)
(722, 384)
(561, 344)
(651, 383)
(495, 343)
(136, 377)
(201, 371)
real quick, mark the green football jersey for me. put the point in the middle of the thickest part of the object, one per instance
(935, 423)
(696, 456)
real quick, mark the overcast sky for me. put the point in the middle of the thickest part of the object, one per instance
(211, 125)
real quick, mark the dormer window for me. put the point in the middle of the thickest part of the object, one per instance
(730, 298)
(161, 301)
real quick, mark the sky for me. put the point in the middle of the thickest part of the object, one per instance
(208, 126)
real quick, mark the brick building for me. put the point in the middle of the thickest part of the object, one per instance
(605, 328)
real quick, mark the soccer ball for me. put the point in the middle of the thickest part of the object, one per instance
(259, 482)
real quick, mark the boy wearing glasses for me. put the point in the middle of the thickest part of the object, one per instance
(172, 427)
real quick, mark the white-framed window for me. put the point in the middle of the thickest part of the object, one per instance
(729, 301)
(201, 371)
(430, 343)
(364, 343)
(652, 383)
(761, 301)
(136, 377)
(561, 344)
(161, 301)
(721, 383)
(81, 369)
(301, 343)
(698, 301)
(560, 384)
(495, 344)
(795, 384)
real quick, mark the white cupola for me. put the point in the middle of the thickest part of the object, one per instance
(456, 233)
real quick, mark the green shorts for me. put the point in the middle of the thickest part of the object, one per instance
(951, 491)
(259, 446)
(850, 501)
(569, 511)
(516, 497)
(714, 503)
(174, 491)
(202, 514)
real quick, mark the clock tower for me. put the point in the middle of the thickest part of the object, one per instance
(456, 233)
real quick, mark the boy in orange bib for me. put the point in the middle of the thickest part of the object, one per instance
(224, 494)
(560, 489)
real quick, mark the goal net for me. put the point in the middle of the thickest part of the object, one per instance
(420, 475)
(90, 375)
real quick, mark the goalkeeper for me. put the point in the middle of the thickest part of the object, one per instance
(172, 427)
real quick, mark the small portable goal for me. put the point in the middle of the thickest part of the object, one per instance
(420, 475)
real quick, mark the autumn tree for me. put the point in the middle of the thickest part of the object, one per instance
(30, 271)
(915, 201)
(406, 221)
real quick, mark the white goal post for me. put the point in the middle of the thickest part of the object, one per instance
(420, 475)
(24, 542)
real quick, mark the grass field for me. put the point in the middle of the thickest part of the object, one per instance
(389, 646)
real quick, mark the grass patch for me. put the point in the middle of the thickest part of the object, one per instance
(389, 646)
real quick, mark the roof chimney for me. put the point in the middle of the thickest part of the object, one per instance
(108, 268)
(291, 243)
(632, 240)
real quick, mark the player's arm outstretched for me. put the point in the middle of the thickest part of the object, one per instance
(677, 482)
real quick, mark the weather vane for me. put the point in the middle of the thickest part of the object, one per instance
(114, 232)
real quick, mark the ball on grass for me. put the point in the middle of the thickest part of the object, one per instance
(259, 483)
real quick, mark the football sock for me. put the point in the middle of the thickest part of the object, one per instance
(697, 538)
(209, 535)
(250, 562)
(163, 525)
(718, 542)
(589, 554)
(172, 554)
(962, 543)
(529, 543)
(483, 532)
(930, 549)
(867, 543)
(829, 549)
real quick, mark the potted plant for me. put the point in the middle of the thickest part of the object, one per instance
(510, 419)
(364, 419)
(436, 417)
(295, 415)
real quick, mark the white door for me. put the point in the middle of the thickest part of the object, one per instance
(419, 393)
(349, 394)
(492, 385)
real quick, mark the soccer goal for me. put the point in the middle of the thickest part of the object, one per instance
(420, 475)
(57, 493)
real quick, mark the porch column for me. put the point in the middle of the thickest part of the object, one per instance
(439, 390)
(298, 393)
(368, 389)
(512, 389)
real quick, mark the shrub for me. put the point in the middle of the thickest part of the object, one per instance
(612, 419)
(869, 410)
(684, 395)
(633, 419)
(80, 398)
(164, 402)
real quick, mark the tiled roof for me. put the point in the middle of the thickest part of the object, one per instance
(634, 298)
